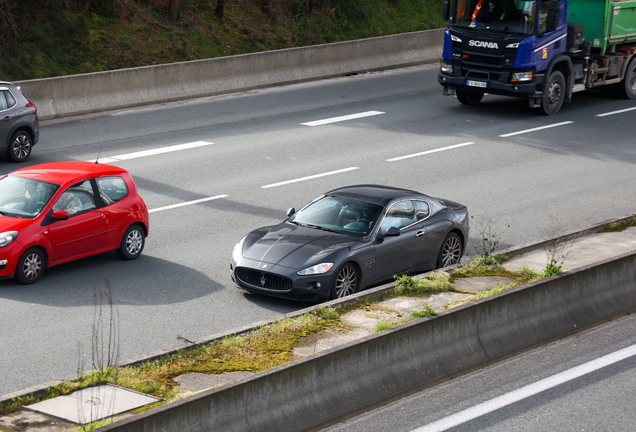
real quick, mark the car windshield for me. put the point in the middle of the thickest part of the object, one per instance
(24, 197)
(509, 16)
(339, 214)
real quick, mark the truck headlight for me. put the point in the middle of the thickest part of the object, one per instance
(522, 76)
(455, 38)
(446, 67)
(6, 238)
(513, 45)
(317, 269)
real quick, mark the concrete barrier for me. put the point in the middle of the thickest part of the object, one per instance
(102, 91)
(312, 390)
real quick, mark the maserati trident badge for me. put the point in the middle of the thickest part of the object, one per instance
(263, 280)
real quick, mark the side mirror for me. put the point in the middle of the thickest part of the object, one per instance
(392, 232)
(60, 215)
(291, 211)
(552, 19)
(446, 11)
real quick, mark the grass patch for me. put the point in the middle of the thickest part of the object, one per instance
(619, 226)
(264, 348)
(483, 294)
(552, 269)
(427, 311)
(480, 267)
(381, 326)
(435, 282)
(43, 39)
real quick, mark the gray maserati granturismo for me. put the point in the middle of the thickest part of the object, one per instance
(349, 239)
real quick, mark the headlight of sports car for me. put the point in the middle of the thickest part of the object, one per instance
(238, 250)
(317, 269)
(7, 237)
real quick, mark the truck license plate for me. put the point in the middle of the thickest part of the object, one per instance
(476, 84)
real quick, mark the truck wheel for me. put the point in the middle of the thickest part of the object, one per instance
(468, 98)
(627, 88)
(553, 94)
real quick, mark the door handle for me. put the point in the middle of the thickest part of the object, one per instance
(7, 118)
(420, 233)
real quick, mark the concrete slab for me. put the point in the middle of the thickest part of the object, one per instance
(26, 421)
(92, 404)
(196, 381)
(475, 285)
(580, 252)
(361, 322)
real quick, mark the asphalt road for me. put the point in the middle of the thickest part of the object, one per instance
(503, 397)
(527, 185)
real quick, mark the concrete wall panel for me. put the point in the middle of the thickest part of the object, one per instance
(102, 91)
(309, 391)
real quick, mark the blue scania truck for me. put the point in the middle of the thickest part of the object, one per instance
(540, 50)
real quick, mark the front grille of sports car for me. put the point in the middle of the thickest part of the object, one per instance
(261, 280)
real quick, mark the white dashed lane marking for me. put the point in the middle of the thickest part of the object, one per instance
(187, 203)
(430, 151)
(535, 129)
(616, 112)
(342, 118)
(152, 152)
(309, 177)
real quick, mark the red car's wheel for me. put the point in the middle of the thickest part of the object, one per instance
(30, 266)
(132, 243)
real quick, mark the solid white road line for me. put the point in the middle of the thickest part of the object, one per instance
(153, 152)
(535, 129)
(309, 177)
(342, 118)
(616, 112)
(183, 204)
(527, 391)
(430, 151)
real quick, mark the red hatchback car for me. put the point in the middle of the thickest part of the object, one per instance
(59, 212)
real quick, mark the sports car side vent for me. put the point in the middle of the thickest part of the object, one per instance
(261, 280)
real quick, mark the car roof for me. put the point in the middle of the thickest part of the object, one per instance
(375, 194)
(65, 172)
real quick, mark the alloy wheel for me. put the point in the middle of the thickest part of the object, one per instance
(451, 252)
(134, 242)
(21, 146)
(32, 266)
(346, 281)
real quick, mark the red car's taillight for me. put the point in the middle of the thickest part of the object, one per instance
(30, 105)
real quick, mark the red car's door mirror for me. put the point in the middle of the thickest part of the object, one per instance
(60, 215)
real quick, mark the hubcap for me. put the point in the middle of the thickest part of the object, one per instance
(21, 146)
(451, 251)
(134, 242)
(346, 282)
(32, 266)
(632, 80)
(554, 93)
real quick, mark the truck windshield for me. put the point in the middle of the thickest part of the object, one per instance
(509, 16)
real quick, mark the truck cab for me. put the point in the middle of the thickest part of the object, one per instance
(528, 49)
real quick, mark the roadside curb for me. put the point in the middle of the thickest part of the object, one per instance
(40, 390)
